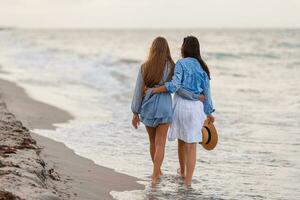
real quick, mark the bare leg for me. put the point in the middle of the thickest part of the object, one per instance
(190, 149)
(151, 132)
(181, 157)
(160, 141)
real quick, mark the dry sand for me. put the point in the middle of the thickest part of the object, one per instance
(77, 177)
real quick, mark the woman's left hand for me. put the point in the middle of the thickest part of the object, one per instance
(210, 118)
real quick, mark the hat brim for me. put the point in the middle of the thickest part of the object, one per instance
(209, 136)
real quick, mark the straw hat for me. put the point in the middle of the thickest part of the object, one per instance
(209, 136)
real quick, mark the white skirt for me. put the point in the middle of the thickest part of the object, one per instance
(187, 121)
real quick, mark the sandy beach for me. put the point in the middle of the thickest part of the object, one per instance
(65, 175)
(91, 74)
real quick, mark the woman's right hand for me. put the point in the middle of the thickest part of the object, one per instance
(145, 91)
(135, 121)
(160, 89)
(202, 98)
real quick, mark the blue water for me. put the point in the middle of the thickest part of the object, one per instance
(255, 85)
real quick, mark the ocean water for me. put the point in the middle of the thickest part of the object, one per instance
(255, 87)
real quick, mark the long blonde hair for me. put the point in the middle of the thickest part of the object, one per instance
(153, 67)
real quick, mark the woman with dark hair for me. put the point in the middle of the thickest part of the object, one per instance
(155, 111)
(192, 74)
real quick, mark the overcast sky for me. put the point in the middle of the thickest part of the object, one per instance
(149, 13)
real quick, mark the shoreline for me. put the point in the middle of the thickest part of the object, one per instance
(78, 177)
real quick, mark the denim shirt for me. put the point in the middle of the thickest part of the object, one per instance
(138, 98)
(189, 75)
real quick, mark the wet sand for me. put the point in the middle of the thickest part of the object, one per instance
(79, 178)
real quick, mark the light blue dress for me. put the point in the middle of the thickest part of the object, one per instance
(155, 109)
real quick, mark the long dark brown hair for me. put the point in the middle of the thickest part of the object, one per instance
(191, 48)
(153, 67)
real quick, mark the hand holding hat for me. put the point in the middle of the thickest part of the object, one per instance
(209, 134)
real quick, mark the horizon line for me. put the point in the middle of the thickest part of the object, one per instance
(148, 28)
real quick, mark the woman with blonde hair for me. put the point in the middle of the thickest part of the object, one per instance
(191, 73)
(155, 111)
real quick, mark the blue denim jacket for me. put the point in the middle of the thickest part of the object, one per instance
(157, 105)
(190, 76)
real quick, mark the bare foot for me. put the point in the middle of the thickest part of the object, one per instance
(160, 173)
(181, 173)
(187, 184)
(154, 180)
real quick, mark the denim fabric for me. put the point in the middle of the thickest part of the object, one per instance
(155, 109)
(189, 75)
